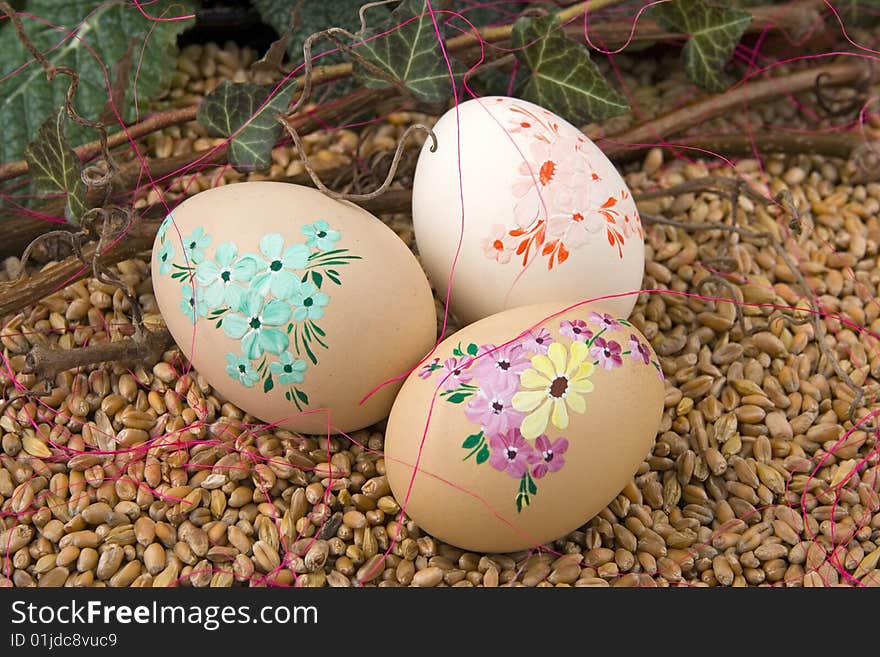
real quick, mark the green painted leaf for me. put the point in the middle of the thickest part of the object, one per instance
(309, 353)
(714, 32)
(563, 77)
(303, 397)
(483, 454)
(519, 501)
(472, 349)
(407, 52)
(246, 112)
(317, 329)
(287, 395)
(268, 384)
(531, 484)
(55, 167)
(102, 34)
(458, 397)
(472, 441)
(317, 279)
(457, 351)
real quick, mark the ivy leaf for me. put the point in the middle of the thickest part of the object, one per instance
(564, 79)
(91, 36)
(714, 33)
(407, 54)
(245, 112)
(55, 167)
(299, 19)
(472, 441)
(483, 454)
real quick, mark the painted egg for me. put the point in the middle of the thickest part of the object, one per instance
(546, 215)
(292, 305)
(523, 426)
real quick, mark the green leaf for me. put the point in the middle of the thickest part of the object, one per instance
(246, 112)
(472, 441)
(268, 384)
(483, 454)
(714, 32)
(300, 19)
(458, 397)
(101, 35)
(287, 395)
(457, 351)
(309, 353)
(333, 275)
(520, 497)
(563, 77)
(472, 349)
(55, 167)
(407, 54)
(303, 397)
(531, 484)
(317, 279)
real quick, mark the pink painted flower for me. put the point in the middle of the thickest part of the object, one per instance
(604, 321)
(492, 410)
(575, 330)
(500, 367)
(499, 245)
(511, 453)
(537, 341)
(608, 353)
(639, 350)
(429, 368)
(545, 179)
(575, 219)
(550, 455)
(455, 371)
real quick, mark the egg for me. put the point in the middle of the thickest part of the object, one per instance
(292, 305)
(546, 217)
(523, 425)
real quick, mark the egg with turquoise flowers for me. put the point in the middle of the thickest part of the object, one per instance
(305, 311)
(522, 426)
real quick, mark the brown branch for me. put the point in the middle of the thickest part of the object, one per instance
(618, 146)
(47, 362)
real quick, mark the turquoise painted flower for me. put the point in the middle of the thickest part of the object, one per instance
(320, 236)
(165, 256)
(195, 244)
(163, 227)
(288, 369)
(239, 367)
(218, 276)
(193, 303)
(275, 273)
(308, 302)
(254, 324)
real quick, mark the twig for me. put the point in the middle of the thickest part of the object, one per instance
(645, 135)
(47, 362)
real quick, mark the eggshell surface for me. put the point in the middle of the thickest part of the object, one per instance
(523, 426)
(292, 305)
(547, 217)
